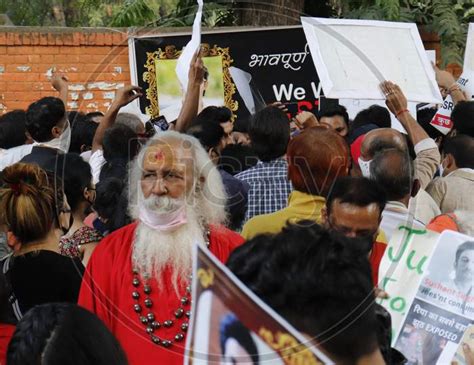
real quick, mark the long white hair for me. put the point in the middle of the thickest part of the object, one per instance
(205, 205)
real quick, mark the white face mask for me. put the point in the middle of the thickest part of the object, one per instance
(163, 220)
(364, 167)
(63, 141)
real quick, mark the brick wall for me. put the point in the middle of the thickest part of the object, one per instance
(95, 61)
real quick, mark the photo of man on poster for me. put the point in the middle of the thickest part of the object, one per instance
(463, 269)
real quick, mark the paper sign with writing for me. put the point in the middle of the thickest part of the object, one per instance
(443, 307)
(231, 325)
(402, 267)
(442, 119)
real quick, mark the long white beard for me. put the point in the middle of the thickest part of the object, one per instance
(153, 250)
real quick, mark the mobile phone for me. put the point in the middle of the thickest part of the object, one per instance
(160, 123)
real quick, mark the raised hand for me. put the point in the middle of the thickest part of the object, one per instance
(196, 69)
(126, 95)
(59, 82)
(395, 99)
(444, 78)
(305, 120)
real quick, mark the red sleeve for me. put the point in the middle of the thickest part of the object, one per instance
(6, 333)
(223, 241)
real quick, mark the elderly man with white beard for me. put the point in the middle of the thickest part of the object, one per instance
(138, 278)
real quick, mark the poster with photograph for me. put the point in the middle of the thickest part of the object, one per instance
(353, 57)
(230, 325)
(443, 307)
(468, 339)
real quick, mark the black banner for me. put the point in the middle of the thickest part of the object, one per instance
(277, 59)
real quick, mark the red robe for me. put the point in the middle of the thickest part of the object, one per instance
(107, 291)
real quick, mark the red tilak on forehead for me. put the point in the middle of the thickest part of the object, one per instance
(159, 155)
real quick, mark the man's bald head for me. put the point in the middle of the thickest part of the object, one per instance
(394, 171)
(381, 139)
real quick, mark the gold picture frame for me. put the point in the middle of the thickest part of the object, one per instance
(170, 52)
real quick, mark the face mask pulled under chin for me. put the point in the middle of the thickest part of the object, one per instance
(62, 142)
(365, 167)
(163, 221)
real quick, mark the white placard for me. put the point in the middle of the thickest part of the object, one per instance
(184, 61)
(352, 58)
(431, 54)
(354, 106)
(469, 53)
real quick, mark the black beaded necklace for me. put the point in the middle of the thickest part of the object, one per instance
(181, 314)
(149, 321)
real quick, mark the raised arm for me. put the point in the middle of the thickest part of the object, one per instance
(60, 83)
(124, 96)
(398, 106)
(427, 153)
(193, 93)
(447, 82)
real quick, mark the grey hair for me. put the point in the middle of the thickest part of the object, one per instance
(208, 193)
(130, 120)
(394, 171)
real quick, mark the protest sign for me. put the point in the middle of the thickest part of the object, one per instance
(353, 57)
(354, 106)
(402, 268)
(469, 52)
(184, 60)
(443, 307)
(276, 61)
(442, 120)
(231, 325)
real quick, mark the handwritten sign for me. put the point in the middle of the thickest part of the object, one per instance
(402, 268)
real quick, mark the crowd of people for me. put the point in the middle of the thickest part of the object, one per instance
(100, 213)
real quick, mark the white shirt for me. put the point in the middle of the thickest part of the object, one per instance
(96, 161)
(424, 207)
(86, 156)
(396, 214)
(14, 155)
